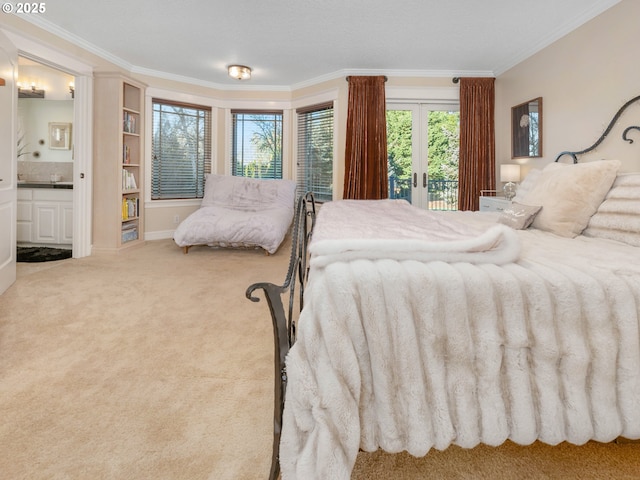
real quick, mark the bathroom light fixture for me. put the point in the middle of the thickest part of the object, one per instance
(72, 90)
(29, 93)
(239, 72)
(509, 173)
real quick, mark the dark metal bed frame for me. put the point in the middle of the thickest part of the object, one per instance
(606, 132)
(284, 319)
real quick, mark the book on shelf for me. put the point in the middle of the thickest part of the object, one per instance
(126, 154)
(128, 180)
(129, 123)
(130, 207)
(129, 232)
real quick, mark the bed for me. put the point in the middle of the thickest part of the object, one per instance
(240, 212)
(420, 330)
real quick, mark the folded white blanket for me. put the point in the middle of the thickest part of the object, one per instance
(394, 229)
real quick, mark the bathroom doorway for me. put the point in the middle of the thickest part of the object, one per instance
(45, 151)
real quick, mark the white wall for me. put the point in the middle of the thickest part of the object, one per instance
(583, 78)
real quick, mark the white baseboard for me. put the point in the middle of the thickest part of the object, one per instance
(160, 235)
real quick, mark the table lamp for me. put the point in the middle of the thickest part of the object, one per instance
(509, 173)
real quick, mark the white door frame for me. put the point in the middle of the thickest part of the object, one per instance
(82, 132)
(420, 100)
(8, 163)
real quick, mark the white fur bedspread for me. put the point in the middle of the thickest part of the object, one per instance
(410, 355)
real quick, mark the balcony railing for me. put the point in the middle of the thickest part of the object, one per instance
(443, 194)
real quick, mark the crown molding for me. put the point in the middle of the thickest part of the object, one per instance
(83, 44)
(569, 25)
(54, 29)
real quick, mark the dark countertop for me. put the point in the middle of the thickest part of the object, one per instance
(65, 185)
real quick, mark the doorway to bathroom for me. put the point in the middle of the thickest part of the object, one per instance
(45, 167)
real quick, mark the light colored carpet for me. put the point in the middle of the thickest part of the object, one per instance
(154, 365)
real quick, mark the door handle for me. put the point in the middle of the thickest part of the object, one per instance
(424, 180)
(415, 179)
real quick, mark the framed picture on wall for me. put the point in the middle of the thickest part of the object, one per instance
(59, 136)
(526, 129)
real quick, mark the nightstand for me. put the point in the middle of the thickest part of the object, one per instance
(493, 204)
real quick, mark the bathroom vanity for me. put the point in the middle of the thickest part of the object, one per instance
(45, 213)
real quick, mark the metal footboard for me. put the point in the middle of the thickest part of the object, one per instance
(284, 318)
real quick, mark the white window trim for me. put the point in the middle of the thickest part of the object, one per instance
(171, 95)
(287, 157)
(437, 95)
(324, 97)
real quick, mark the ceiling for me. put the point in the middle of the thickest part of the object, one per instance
(293, 43)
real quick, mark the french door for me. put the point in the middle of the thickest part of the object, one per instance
(422, 150)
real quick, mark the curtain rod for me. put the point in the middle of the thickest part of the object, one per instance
(455, 79)
(385, 78)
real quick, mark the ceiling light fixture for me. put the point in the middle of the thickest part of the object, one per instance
(239, 72)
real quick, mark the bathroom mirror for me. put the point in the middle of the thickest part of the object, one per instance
(526, 129)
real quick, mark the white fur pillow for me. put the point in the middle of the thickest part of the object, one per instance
(527, 183)
(570, 195)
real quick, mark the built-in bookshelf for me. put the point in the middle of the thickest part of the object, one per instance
(118, 163)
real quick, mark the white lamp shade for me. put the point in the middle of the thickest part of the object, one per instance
(509, 173)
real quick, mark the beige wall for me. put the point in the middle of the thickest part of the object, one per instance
(583, 78)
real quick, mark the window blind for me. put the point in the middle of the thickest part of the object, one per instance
(181, 150)
(314, 158)
(256, 143)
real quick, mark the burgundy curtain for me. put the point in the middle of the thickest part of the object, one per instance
(366, 149)
(477, 140)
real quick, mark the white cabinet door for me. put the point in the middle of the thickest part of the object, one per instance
(53, 222)
(52, 216)
(25, 215)
(46, 217)
(66, 223)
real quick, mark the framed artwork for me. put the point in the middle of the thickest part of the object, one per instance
(526, 129)
(59, 136)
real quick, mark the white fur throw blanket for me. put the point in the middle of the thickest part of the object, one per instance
(347, 230)
(414, 355)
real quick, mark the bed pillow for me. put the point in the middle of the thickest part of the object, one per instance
(239, 192)
(570, 194)
(218, 189)
(527, 183)
(519, 216)
(618, 217)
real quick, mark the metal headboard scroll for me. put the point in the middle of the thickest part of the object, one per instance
(606, 132)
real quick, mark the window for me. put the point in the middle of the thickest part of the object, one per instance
(256, 144)
(180, 149)
(315, 151)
